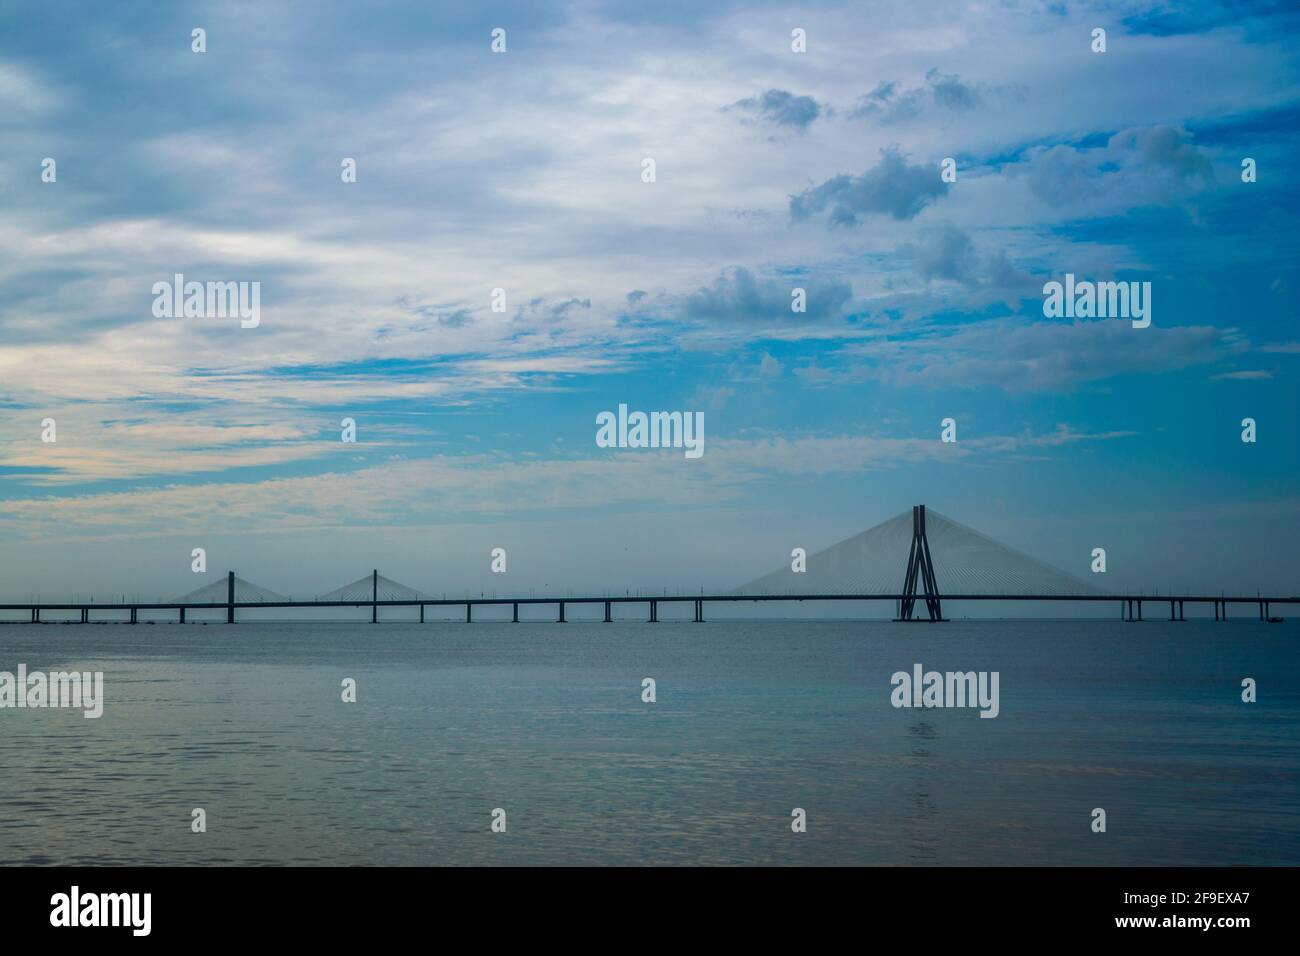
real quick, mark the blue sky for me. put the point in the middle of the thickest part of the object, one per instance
(522, 171)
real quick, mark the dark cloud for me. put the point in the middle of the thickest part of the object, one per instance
(950, 93)
(562, 308)
(544, 310)
(947, 252)
(782, 108)
(1167, 147)
(456, 320)
(891, 188)
(445, 315)
(943, 92)
(883, 92)
(738, 296)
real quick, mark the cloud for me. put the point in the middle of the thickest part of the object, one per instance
(941, 92)
(90, 448)
(945, 251)
(891, 188)
(1166, 147)
(782, 108)
(543, 310)
(447, 316)
(737, 295)
(21, 91)
(1242, 376)
(1043, 356)
(1137, 166)
(769, 367)
(403, 493)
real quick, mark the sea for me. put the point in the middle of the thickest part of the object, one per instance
(767, 743)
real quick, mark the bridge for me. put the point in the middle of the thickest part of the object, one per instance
(894, 562)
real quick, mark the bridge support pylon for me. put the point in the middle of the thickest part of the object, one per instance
(920, 565)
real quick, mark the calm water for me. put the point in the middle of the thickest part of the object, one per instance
(752, 720)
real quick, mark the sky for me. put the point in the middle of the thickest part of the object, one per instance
(524, 171)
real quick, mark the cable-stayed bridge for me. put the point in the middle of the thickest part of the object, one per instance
(917, 561)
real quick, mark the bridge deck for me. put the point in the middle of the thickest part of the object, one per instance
(638, 599)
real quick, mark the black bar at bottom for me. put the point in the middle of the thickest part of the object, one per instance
(929, 905)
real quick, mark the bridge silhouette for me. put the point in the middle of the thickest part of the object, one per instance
(894, 562)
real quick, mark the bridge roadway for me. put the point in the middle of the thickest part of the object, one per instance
(1131, 605)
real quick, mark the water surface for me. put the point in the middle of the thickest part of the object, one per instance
(752, 720)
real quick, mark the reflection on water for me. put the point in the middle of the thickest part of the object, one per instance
(752, 720)
(919, 830)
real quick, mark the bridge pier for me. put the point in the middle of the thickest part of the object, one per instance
(85, 615)
(182, 616)
(133, 614)
(654, 612)
(1139, 609)
(421, 613)
(607, 617)
(699, 611)
(561, 621)
(469, 613)
(36, 615)
(514, 618)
